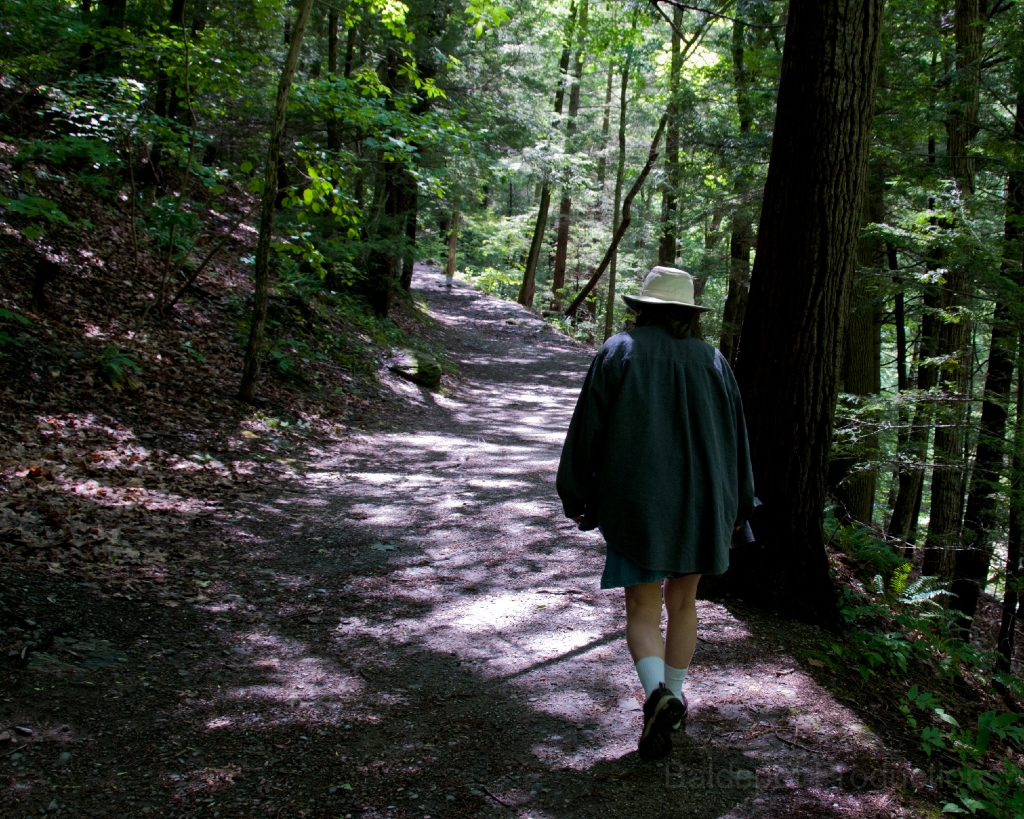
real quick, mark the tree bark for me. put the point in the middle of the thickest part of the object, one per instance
(667, 245)
(565, 206)
(257, 326)
(529, 286)
(970, 568)
(800, 289)
(954, 335)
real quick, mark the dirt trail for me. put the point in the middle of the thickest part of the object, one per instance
(413, 630)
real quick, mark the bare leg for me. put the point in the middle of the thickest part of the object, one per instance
(643, 621)
(681, 634)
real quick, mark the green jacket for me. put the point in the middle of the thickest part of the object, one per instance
(656, 454)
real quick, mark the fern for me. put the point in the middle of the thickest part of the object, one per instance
(923, 592)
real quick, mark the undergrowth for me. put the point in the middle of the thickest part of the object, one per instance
(907, 628)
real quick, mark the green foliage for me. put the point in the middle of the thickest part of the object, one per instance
(37, 210)
(494, 281)
(875, 557)
(117, 368)
(980, 782)
(10, 316)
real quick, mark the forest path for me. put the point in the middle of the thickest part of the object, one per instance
(408, 627)
(478, 660)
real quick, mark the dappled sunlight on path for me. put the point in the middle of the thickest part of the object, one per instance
(409, 627)
(471, 630)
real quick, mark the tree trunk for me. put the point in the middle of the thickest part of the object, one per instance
(606, 117)
(333, 137)
(667, 245)
(740, 241)
(907, 507)
(86, 50)
(627, 202)
(1011, 595)
(565, 206)
(800, 289)
(350, 51)
(620, 172)
(911, 477)
(452, 242)
(855, 492)
(112, 15)
(529, 286)
(411, 226)
(970, 568)
(954, 335)
(257, 326)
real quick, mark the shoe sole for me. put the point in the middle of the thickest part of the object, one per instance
(656, 741)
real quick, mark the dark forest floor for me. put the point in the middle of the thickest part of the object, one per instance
(396, 623)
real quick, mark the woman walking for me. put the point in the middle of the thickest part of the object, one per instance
(656, 456)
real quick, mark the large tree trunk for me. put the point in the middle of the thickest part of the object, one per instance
(800, 289)
(257, 326)
(970, 569)
(667, 245)
(565, 206)
(529, 286)
(954, 336)
(741, 238)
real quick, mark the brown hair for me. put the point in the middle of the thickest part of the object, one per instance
(682, 322)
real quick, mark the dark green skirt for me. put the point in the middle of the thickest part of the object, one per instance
(620, 571)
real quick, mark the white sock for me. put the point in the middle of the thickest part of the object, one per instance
(674, 679)
(651, 671)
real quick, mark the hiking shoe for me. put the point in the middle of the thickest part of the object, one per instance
(682, 718)
(662, 712)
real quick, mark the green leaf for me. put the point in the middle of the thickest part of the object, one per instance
(307, 196)
(8, 314)
(246, 167)
(952, 807)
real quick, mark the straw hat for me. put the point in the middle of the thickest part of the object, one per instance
(666, 285)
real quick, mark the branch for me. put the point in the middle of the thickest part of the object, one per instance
(209, 256)
(698, 35)
(713, 13)
(652, 157)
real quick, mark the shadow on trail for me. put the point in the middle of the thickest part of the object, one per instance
(413, 630)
